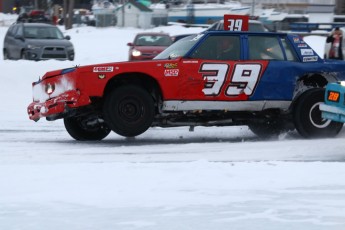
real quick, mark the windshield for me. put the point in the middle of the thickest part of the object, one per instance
(153, 40)
(180, 48)
(42, 33)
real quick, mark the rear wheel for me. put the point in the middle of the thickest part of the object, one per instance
(129, 110)
(307, 116)
(86, 129)
(271, 128)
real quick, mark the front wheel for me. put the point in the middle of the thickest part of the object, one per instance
(86, 129)
(23, 55)
(129, 110)
(307, 116)
(5, 55)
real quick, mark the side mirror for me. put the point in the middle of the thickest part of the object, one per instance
(68, 37)
(130, 44)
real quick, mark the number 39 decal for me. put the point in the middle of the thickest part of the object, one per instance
(243, 80)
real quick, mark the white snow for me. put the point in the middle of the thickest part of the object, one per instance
(215, 178)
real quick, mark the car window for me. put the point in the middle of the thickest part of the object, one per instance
(218, 48)
(10, 31)
(153, 40)
(256, 27)
(19, 31)
(264, 48)
(42, 33)
(14, 30)
(179, 48)
(290, 54)
(214, 26)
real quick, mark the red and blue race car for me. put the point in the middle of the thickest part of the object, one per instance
(271, 82)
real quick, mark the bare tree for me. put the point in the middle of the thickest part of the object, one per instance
(68, 6)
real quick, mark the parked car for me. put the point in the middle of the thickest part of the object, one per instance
(147, 45)
(37, 41)
(274, 84)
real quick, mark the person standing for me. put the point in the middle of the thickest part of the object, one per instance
(336, 40)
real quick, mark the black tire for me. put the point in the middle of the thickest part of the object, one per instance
(5, 55)
(269, 129)
(129, 110)
(307, 116)
(22, 55)
(78, 128)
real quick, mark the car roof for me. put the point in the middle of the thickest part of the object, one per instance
(35, 24)
(250, 20)
(243, 32)
(152, 33)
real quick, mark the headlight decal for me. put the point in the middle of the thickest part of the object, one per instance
(45, 91)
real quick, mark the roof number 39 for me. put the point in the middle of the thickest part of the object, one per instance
(235, 24)
(243, 80)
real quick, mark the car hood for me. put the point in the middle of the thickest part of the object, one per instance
(150, 49)
(48, 42)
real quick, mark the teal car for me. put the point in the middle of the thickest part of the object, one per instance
(334, 106)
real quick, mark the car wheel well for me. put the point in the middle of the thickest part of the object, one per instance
(314, 80)
(145, 81)
(308, 82)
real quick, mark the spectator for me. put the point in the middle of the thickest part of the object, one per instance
(336, 40)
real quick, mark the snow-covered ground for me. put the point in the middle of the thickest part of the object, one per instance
(212, 178)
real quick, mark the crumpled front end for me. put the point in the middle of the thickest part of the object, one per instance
(56, 95)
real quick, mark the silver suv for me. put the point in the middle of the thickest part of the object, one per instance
(37, 41)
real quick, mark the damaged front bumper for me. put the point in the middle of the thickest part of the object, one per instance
(58, 106)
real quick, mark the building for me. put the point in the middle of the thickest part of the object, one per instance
(296, 6)
(134, 14)
(340, 7)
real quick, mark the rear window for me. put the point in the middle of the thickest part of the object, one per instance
(153, 40)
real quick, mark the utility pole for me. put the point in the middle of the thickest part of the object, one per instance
(123, 13)
(253, 7)
(68, 6)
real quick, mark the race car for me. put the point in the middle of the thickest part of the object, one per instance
(334, 106)
(271, 82)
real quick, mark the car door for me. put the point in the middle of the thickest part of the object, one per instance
(18, 42)
(278, 81)
(217, 77)
(9, 42)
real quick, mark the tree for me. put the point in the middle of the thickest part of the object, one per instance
(68, 6)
